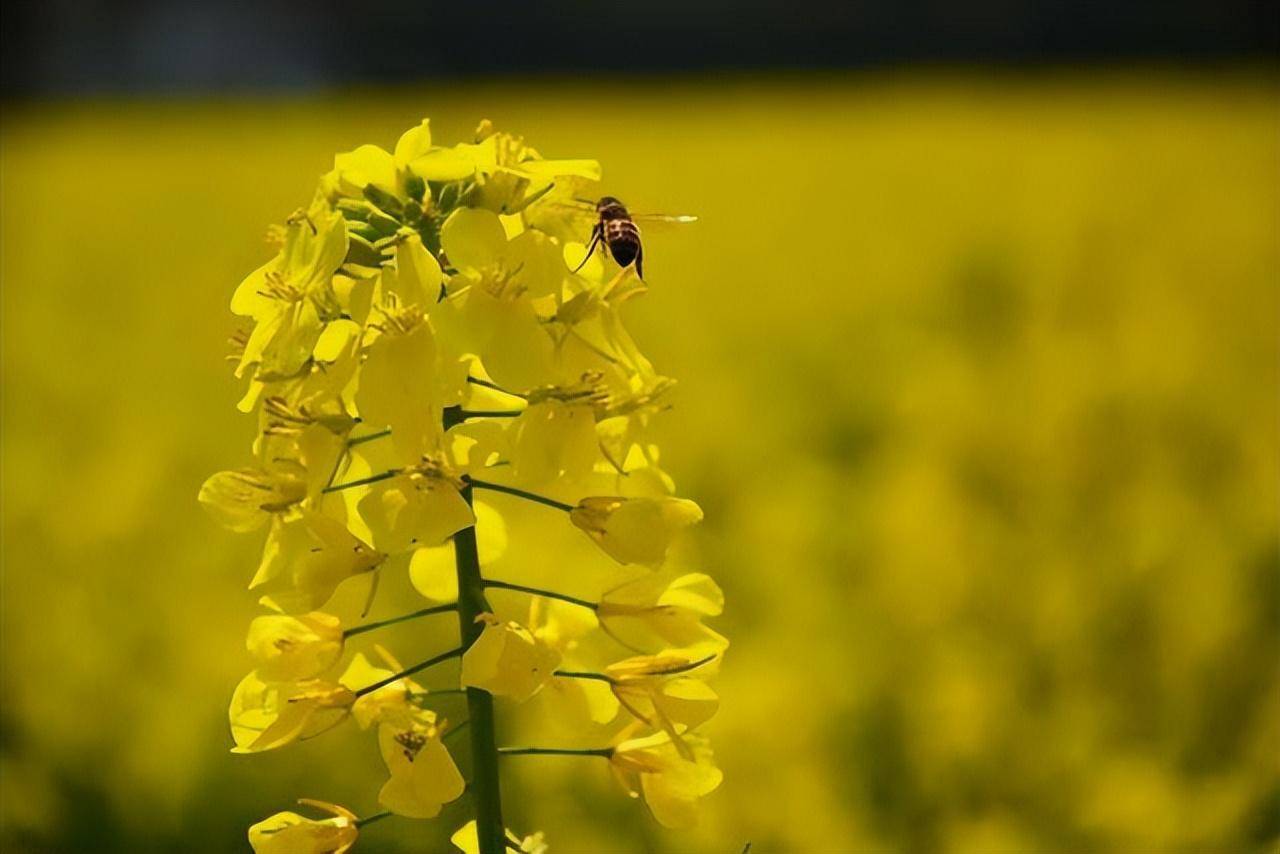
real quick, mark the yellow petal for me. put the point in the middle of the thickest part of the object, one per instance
(290, 833)
(288, 648)
(423, 774)
(368, 164)
(414, 143)
(405, 513)
(508, 661)
(473, 238)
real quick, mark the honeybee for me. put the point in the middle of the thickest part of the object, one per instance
(617, 232)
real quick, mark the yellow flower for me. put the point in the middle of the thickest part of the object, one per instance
(245, 499)
(290, 833)
(670, 783)
(420, 506)
(288, 648)
(467, 840)
(398, 385)
(490, 309)
(423, 774)
(306, 557)
(392, 702)
(390, 172)
(508, 174)
(266, 715)
(635, 530)
(508, 661)
(414, 279)
(432, 569)
(655, 689)
(664, 610)
(291, 296)
(554, 439)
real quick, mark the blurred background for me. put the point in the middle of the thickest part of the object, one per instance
(978, 362)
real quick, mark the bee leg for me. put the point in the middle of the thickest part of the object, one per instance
(596, 234)
(640, 262)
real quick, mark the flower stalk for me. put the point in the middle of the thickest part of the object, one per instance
(485, 783)
(425, 612)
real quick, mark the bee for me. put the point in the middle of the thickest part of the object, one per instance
(617, 232)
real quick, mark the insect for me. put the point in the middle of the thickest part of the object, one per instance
(616, 229)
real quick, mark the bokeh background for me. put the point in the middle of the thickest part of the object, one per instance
(978, 362)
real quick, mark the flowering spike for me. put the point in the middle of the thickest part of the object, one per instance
(441, 299)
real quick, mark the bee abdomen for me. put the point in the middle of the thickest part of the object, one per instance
(623, 239)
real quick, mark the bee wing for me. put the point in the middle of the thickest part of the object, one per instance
(661, 222)
(570, 206)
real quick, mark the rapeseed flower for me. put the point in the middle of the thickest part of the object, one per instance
(663, 610)
(670, 783)
(635, 530)
(290, 833)
(508, 661)
(286, 647)
(423, 774)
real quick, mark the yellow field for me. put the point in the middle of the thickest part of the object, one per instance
(978, 389)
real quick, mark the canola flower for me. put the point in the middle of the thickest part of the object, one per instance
(419, 338)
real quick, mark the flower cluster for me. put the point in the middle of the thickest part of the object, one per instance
(418, 338)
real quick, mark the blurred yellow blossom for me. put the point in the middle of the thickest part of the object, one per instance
(288, 648)
(306, 557)
(663, 611)
(671, 784)
(290, 833)
(466, 839)
(266, 715)
(243, 500)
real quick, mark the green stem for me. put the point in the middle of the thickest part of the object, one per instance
(360, 440)
(373, 478)
(537, 591)
(490, 413)
(494, 386)
(582, 674)
(484, 751)
(382, 683)
(518, 493)
(425, 612)
(378, 816)
(556, 751)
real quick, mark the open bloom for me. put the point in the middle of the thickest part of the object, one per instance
(266, 715)
(423, 774)
(635, 530)
(243, 500)
(508, 661)
(467, 840)
(291, 297)
(490, 310)
(664, 610)
(670, 783)
(286, 647)
(660, 692)
(306, 557)
(290, 833)
(394, 701)
(419, 506)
